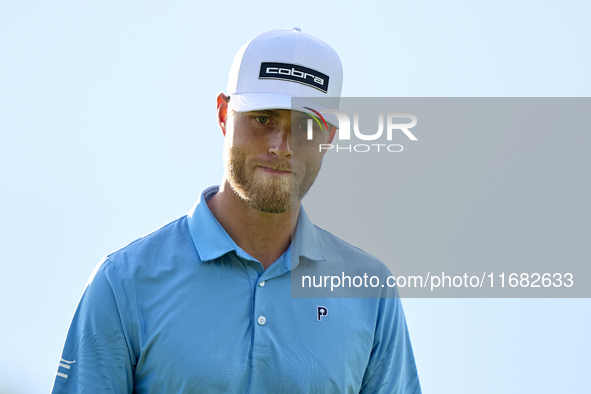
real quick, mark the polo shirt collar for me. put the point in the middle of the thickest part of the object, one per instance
(212, 241)
(305, 242)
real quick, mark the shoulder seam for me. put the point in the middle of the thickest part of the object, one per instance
(127, 301)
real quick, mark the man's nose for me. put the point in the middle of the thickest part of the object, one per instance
(280, 141)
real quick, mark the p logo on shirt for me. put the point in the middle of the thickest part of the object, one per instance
(322, 311)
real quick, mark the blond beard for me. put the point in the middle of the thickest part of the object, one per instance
(261, 191)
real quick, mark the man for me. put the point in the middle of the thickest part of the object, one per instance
(203, 305)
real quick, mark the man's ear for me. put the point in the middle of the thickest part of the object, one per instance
(222, 111)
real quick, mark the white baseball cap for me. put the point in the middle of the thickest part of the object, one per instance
(280, 64)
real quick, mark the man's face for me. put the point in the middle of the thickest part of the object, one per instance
(268, 160)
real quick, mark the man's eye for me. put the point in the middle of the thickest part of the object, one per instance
(262, 119)
(304, 126)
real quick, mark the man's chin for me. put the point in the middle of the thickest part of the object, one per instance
(267, 192)
(271, 209)
(271, 202)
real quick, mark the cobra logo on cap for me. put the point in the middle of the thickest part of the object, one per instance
(294, 73)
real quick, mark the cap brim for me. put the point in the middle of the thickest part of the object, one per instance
(261, 101)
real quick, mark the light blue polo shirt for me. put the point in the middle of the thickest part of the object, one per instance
(185, 310)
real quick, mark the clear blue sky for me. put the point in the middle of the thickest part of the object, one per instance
(107, 132)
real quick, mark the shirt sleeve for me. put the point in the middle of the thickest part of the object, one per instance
(391, 368)
(98, 356)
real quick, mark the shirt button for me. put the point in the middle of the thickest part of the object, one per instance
(261, 320)
(262, 284)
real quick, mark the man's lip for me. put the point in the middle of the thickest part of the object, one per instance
(274, 170)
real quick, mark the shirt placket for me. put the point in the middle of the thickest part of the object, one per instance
(266, 292)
